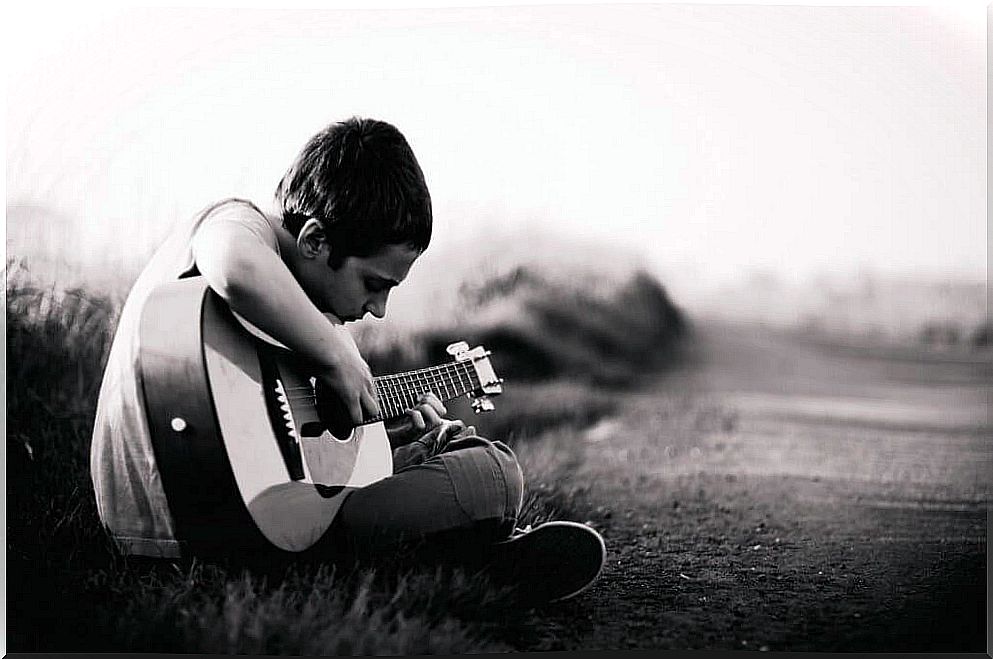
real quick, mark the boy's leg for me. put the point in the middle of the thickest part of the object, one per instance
(475, 487)
(462, 506)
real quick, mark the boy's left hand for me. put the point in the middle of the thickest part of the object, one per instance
(417, 421)
(422, 432)
(430, 443)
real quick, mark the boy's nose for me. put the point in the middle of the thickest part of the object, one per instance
(376, 307)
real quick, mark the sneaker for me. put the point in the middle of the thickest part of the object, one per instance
(549, 563)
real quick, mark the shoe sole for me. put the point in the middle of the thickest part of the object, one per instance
(565, 551)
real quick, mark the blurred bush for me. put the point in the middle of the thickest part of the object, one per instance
(947, 335)
(981, 335)
(540, 328)
(871, 307)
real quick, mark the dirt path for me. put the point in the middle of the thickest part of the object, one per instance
(778, 494)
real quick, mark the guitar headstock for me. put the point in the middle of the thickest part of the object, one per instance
(489, 383)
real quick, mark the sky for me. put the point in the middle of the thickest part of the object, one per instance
(715, 140)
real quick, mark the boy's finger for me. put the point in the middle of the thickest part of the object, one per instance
(431, 418)
(417, 419)
(367, 402)
(449, 430)
(355, 411)
(430, 399)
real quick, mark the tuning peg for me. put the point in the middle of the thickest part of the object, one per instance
(482, 404)
(457, 348)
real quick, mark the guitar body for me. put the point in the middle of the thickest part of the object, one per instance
(244, 461)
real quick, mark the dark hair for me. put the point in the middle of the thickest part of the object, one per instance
(360, 178)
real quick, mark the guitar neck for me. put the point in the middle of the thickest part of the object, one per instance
(399, 392)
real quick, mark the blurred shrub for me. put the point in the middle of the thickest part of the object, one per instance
(527, 410)
(948, 335)
(539, 328)
(981, 335)
(937, 334)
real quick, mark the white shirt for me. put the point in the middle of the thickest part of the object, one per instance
(130, 499)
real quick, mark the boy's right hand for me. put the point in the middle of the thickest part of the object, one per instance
(349, 379)
(237, 252)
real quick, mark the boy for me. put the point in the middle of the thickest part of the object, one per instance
(353, 213)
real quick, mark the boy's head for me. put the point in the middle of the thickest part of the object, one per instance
(357, 203)
(359, 178)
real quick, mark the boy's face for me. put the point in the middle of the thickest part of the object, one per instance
(360, 285)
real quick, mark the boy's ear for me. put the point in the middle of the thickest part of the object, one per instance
(311, 241)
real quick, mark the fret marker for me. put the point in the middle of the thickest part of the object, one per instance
(178, 424)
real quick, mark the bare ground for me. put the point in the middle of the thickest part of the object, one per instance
(774, 493)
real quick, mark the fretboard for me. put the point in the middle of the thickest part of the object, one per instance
(399, 392)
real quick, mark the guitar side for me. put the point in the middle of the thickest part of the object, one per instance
(200, 487)
(227, 482)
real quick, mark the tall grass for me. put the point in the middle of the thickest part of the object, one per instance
(70, 590)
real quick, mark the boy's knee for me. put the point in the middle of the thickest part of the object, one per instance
(513, 476)
(488, 480)
(511, 473)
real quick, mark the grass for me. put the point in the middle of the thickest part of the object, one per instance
(70, 590)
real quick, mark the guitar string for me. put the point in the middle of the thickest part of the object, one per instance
(435, 375)
(441, 381)
(426, 372)
(396, 394)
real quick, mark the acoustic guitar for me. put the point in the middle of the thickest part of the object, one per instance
(249, 454)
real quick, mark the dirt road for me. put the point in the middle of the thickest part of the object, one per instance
(778, 494)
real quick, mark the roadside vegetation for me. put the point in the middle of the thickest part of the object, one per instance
(70, 590)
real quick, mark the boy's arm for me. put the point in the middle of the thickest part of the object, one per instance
(251, 277)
